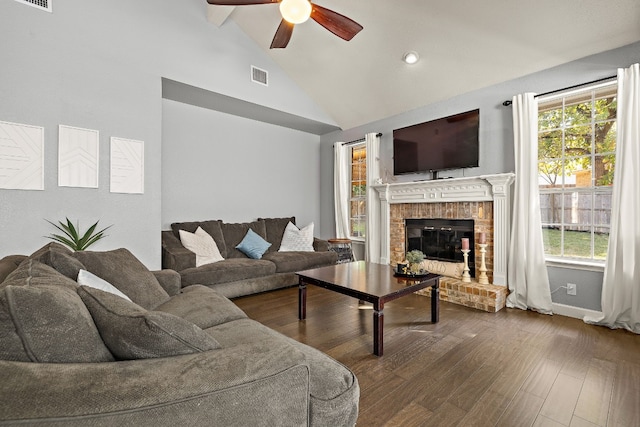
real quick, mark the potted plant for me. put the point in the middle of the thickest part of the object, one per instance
(73, 238)
(414, 258)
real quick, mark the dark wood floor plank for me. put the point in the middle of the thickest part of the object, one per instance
(625, 399)
(542, 421)
(500, 393)
(471, 390)
(446, 415)
(595, 396)
(522, 411)
(413, 415)
(562, 398)
(542, 378)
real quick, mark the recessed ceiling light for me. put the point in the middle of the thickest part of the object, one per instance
(411, 57)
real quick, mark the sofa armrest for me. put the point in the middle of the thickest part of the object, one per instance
(241, 385)
(169, 280)
(8, 264)
(174, 255)
(320, 245)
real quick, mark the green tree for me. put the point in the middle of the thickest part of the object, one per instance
(568, 134)
(582, 127)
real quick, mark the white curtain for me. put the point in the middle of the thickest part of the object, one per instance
(527, 272)
(621, 284)
(341, 184)
(372, 233)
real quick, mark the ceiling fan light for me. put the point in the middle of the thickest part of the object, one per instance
(295, 11)
(411, 57)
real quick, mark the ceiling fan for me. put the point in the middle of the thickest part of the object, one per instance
(298, 11)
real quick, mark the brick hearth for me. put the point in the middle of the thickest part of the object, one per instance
(491, 298)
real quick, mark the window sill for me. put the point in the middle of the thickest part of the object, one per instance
(357, 239)
(575, 264)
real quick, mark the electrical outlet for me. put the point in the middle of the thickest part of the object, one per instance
(571, 288)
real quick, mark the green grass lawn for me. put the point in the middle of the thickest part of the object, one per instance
(576, 244)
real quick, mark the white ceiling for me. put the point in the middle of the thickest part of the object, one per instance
(463, 45)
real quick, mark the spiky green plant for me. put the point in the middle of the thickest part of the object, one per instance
(72, 236)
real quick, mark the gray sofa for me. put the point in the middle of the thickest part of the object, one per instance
(77, 355)
(237, 274)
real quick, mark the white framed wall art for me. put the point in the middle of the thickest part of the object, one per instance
(127, 166)
(21, 156)
(78, 157)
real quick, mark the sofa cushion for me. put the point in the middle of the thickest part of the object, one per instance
(234, 233)
(253, 245)
(131, 332)
(295, 239)
(48, 324)
(443, 268)
(203, 245)
(228, 270)
(32, 272)
(202, 306)
(86, 278)
(124, 271)
(288, 262)
(212, 227)
(59, 257)
(274, 228)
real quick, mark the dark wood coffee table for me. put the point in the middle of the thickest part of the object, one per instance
(370, 282)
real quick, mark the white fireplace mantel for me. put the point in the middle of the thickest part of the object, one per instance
(482, 188)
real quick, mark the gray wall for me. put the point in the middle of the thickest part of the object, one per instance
(220, 166)
(496, 139)
(588, 287)
(47, 81)
(99, 65)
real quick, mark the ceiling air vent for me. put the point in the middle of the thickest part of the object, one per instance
(259, 76)
(40, 4)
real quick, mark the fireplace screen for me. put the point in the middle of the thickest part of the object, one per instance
(439, 239)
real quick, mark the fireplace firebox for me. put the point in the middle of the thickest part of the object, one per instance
(439, 239)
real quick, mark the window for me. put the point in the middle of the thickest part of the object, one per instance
(358, 198)
(576, 160)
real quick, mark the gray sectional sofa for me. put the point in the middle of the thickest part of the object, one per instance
(174, 355)
(237, 274)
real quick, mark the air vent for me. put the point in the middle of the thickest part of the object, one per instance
(259, 76)
(40, 4)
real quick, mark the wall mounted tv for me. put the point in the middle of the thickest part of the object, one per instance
(447, 143)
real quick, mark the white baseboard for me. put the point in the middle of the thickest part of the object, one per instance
(575, 312)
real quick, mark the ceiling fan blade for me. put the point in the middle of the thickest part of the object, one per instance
(240, 2)
(283, 35)
(338, 24)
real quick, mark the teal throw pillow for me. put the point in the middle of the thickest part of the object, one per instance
(253, 245)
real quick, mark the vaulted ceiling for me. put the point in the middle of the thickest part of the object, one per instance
(463, 45)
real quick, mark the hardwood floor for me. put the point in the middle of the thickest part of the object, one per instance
(511, 368)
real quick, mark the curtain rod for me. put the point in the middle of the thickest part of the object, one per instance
(507, 103)
(359, 140)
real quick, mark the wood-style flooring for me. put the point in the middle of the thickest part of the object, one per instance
(511, 368)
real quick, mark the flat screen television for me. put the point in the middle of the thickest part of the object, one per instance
(447, 143)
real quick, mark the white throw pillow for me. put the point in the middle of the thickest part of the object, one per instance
(203, 245)
(297, 240)
(86, 278)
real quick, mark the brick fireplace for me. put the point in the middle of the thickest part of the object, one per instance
(484, 199)
(480, 212)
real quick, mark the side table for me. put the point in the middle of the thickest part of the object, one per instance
(343, 248)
